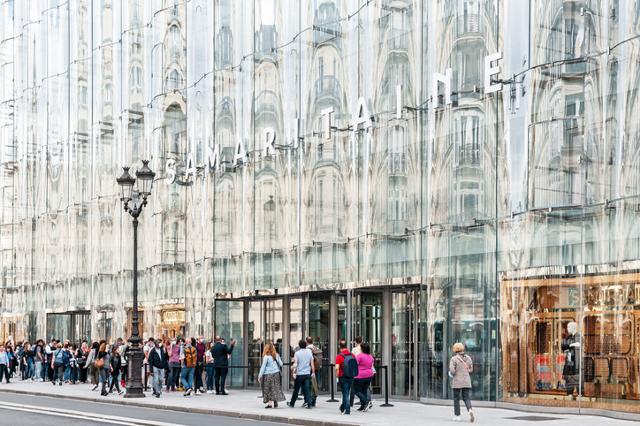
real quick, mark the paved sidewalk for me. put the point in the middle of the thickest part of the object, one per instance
(246, 404)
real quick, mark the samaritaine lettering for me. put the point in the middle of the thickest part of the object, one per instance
(360, 119)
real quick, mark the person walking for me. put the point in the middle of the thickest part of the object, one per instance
(362, 381)
(4, 364)
(123, 348)
(175, 365)
(103, 366)
(346, 371)
(317, 365)
(59, 363)
(303, 371)
(209, 368)
(92, 370)
(201, 348)
(221, 353)
(158, 362)
(47, 371)
(460, 367)
(270, 377)
(189, 359)
(27, 360)
(81, 355)
(115, 362)
(38, 360)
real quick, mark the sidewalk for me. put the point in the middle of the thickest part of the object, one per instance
(246, 404)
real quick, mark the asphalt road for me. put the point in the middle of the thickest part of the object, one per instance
(17, 410)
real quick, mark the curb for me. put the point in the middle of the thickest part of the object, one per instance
(222, 413)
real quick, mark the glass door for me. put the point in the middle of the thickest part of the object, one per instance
(319, 326)
(403, 343)
(229, 323)
(255, 341)
(367, 323)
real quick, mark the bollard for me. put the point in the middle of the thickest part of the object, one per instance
(333, 384)
(386, 387)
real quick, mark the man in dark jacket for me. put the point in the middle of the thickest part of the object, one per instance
(158, 362)
(201, 348)
(220, 354)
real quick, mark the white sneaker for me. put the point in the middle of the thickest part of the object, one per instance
(457, 419)
(472, 418)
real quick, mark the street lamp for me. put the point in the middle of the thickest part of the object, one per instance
(134, 197)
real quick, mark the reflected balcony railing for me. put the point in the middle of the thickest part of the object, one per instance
(397, 164)
(469, 156)
(398, 40)
(468, 24)
(327, 86)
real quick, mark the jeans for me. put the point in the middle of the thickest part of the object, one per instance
(67, 373)
(198, 375)
(37, 374)
(187, 377)
(114, 381)
(174, 377)
(4, 371)
(156, 382)
(361, 390)
(104, 379)
(302, 381)
(345, 387)
(58, 373)
(210, 372)
(463, 394)
(221, 378)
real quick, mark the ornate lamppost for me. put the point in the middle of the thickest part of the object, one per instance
(135, 192)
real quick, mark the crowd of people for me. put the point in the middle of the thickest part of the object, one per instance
(194, 366)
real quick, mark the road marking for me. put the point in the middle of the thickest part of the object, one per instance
(101, 418)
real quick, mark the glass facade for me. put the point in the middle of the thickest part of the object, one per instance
(416, 172)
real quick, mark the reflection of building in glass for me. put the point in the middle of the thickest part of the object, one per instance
(499, 219)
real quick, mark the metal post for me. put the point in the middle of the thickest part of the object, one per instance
(386, 387)
(134, 384)
(333, 384)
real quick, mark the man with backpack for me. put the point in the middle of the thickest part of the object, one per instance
(346, 371)
(189, 360)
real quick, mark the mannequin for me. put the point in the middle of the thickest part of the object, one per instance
(571, 346)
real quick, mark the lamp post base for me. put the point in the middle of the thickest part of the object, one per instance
(134, 382)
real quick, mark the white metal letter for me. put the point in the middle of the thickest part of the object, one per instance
(490, 71)
(241, 152)
(361, 115)
(326, 122)
(212, 158)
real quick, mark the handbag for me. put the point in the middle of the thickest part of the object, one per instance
(99, 363)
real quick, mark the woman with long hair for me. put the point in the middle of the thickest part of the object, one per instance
(269, 376)
(116, 365)
(103, 365)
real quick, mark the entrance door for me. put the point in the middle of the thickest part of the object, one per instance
(319, 327)
(264, 325)
(229, 324)
(367, 323)
(403, 340)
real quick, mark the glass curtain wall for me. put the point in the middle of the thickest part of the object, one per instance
(484, 150)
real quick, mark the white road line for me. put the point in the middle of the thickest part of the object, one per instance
(101, 418)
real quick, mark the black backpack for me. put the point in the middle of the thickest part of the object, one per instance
(349, 366)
